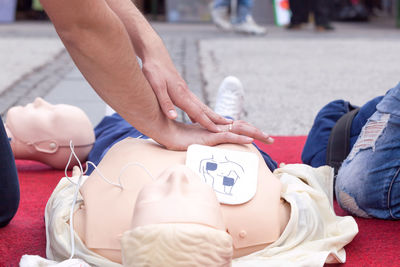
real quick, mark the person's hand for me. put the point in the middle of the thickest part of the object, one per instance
(238, 132)
(171, 90)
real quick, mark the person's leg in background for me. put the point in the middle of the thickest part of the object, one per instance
(244, 8)
(322, 14)
(9, 184)
(244, 22)
(300, 12)
(315, 148)
(221, 3)
(220, 14)
(368, 183)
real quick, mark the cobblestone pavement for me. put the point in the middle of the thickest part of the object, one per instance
(291, 81)
(33, 62)
(287, 76)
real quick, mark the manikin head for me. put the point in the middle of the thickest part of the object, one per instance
(42, 131)
(184, 228)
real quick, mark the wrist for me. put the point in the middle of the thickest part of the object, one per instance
(165, 134)
(150, 47)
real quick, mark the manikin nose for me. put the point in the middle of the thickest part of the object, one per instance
(40, 102)
(178, 182)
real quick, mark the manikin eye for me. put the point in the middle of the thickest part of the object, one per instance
(211, 166)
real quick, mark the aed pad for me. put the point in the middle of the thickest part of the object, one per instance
(232, 174)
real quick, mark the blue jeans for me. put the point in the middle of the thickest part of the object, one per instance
(314, 151)
(243, 8)
(368, 183)
(9, 185)
(113, 129)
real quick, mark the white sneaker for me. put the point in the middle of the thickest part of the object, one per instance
(220, 17)
(249, 26)
(230, 98)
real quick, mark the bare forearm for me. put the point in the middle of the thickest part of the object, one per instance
(102, 39)
(144, 39)
(99, 45)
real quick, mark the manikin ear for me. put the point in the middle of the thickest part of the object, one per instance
(47, 146)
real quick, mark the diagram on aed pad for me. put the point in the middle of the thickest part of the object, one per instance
(222, 175)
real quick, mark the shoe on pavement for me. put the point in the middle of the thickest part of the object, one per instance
(249, 26)
(230, 98)
(324, 28)
(294, 26)
(220, 17)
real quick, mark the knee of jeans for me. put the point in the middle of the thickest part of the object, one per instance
(394, 196)
(349, 204)
(370, 133)
(346, 188)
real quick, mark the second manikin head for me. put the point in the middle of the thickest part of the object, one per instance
(42, 131)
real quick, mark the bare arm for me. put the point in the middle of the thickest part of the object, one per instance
(100, 46)
(160, 71)
(143, 36)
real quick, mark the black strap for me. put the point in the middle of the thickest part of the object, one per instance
(339, 140)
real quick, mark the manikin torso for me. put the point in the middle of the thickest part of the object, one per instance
(106, 212)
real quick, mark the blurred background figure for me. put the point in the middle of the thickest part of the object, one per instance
(361, 10)
(301, 10)
(30, 10)
(235, 15)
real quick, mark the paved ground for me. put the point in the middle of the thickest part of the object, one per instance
(287, 76)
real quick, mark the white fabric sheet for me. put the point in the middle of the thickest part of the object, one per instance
(314, 234)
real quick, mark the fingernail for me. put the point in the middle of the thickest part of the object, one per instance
(270, 139)
(172, 113)
(229, 120)
(249, 139)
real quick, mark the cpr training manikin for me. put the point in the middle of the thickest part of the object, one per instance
(41, 131)
(146, 206)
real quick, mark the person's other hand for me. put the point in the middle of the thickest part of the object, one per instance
(238, 132)
(171, 90)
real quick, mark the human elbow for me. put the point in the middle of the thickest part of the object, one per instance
(76, 34)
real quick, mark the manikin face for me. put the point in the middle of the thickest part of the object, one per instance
(172, 216)
(41, 121)
(42, 131)
(178, 196)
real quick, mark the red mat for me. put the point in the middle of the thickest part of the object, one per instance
(377, 244)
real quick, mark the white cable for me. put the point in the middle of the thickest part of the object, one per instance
(71, 217)
(133, 164)
(101, 175)
(78, 184)
(71, 211)
(71, 146)
(119, 184)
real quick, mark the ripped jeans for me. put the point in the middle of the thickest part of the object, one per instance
(368, 183)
